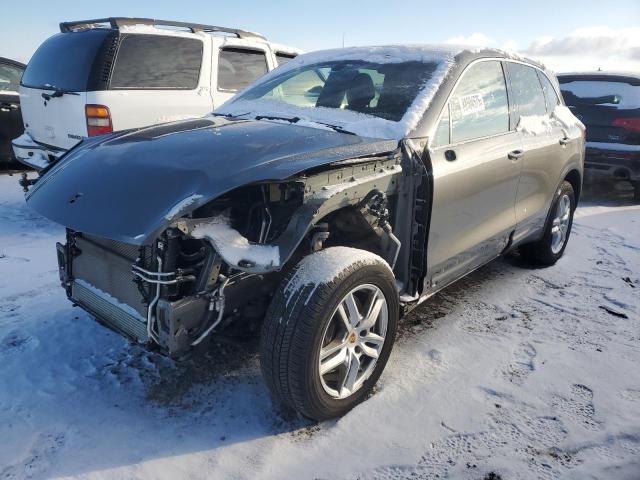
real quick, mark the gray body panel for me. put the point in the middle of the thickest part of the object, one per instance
(126, 186)
(484, 202)
(473, 209)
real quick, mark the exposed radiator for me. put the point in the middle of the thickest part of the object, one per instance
(104, 285)
(127, 321)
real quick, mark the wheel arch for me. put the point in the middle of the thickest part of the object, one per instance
(575, 179)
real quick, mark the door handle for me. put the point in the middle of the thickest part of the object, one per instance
(564, 141)
(515, 154)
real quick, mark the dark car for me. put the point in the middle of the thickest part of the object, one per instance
(10, 118)
(609, 106)
(330, 197)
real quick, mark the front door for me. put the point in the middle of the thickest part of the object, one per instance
(476, 159)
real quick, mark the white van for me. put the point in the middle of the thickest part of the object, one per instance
(99, 76)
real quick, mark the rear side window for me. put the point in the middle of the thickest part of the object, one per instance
(478, 106)
(65, 61)
(9, 77)
(526, 91)
(157, 62)
(283, 58)
(549, 93)
(618, 94)
(238, 68)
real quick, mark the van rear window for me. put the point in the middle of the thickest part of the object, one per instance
(157, 62)
(65, 61)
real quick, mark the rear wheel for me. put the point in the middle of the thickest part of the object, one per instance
(551, 246)
(329, 331)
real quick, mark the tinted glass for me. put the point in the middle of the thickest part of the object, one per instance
(479, 106)
(526, 90)
(238, 68)
(64, 61)
(383, 90)
(549, 93)
(283, 58)
(616, 94)
(9, 78)
(301, 90)
(157, 62)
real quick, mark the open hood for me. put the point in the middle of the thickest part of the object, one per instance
(129, 186)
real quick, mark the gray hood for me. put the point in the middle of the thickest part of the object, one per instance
(129, 186)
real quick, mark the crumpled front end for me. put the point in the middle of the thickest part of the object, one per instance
(222, 261)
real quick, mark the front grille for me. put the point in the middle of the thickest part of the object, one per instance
(104, 285)
(127, 321)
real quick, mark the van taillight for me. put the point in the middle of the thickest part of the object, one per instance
(98, 120)
(631, 124)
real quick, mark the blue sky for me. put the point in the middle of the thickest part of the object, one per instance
(322, 24)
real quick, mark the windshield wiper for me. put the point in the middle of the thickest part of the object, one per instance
(335, 128)
(57, 93)
(275, 117)
(229, 115)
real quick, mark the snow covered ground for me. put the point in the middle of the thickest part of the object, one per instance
(524, 373)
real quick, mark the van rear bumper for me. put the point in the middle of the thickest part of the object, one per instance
(34, 154)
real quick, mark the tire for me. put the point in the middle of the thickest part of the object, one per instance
(636, 191)
(548, 250)
(309, 315)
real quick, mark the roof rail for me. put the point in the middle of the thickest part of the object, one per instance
(118, 22)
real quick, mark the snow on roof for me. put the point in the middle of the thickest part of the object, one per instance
(380, 54)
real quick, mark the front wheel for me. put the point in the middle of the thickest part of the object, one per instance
(329, 331)
(548, 250)
(636, 190)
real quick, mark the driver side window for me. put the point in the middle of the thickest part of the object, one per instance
(478, 106)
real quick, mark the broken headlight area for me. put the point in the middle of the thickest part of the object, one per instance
(176, 291)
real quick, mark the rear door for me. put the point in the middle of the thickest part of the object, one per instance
(157, 79)
(476, 169)
(10, 118)
(545, 155)
(54, 85)
(239, 64)
(608, 105)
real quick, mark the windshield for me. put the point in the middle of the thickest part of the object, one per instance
(597, 92)
(64, 61)
(383, 90)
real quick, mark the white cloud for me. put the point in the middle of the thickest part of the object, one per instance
(476, 39)
(510, 46)
(587, 48)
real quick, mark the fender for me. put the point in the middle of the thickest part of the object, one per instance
(344, 187)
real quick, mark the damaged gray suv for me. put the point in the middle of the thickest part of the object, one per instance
(324, 202)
